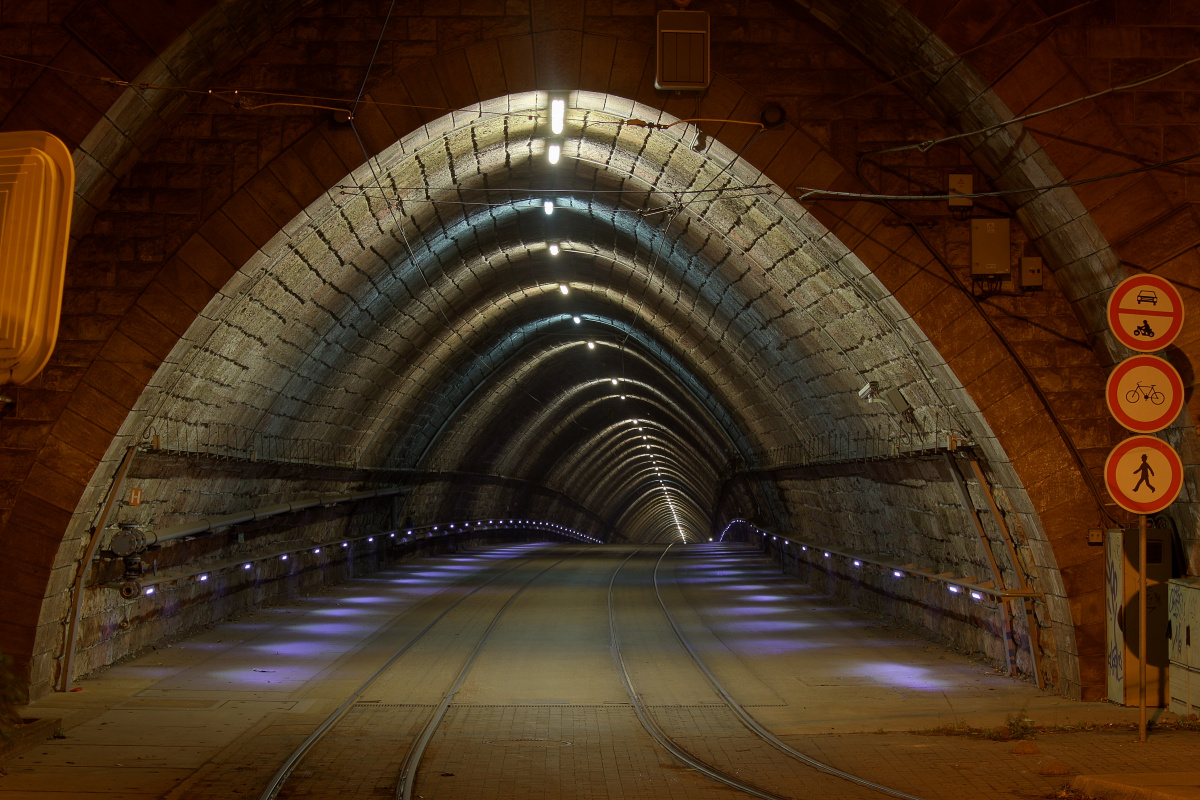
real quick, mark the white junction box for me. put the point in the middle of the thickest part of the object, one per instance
(1183, 610)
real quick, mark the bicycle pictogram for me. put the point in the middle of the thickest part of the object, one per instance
(1143, 392)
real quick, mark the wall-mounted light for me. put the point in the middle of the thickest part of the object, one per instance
(576, 320)
(553, 153)
(553, 249)
(562, 287)
(548, 207)
(591, 345)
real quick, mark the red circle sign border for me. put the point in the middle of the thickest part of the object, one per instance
(1161, 501)
(1132, 284)
(1112, 399)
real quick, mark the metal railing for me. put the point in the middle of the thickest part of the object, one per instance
(885, 440)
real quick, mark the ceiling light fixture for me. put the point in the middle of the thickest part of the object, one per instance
(558, 113)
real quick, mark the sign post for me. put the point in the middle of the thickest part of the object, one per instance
(1144, 394)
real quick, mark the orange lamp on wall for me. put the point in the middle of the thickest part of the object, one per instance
(37, 181)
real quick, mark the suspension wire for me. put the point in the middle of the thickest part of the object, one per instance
(1085, 473)
(947, 60)
(807, 192)
(930, 143)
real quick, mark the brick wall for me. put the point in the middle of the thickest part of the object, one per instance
(201, 185)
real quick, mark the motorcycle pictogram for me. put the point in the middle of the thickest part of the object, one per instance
(1144, 330)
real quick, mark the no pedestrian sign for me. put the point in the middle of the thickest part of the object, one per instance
(1145, 313)
(1143, 474)
(1144, 394)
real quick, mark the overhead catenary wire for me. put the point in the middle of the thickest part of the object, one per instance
(996, 330)
(956, 56)
(925, 146)
(807, 192)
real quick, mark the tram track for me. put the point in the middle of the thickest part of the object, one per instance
(763, 735)
(411, 732)
(279, 780)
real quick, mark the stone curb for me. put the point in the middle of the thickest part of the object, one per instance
(1114, 787)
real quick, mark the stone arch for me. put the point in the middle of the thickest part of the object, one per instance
(249, 218)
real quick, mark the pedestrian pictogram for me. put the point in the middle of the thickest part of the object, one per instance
(1143, 474)
(1145, 313)
(1144, 393)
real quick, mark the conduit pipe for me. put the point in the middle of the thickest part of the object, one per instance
(131, 541)
(114, 490)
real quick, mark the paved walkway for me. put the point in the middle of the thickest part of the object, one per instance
(543, 712)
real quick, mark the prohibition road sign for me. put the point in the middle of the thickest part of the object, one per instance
(1145, 313)
(1144, 394)
(1143, 474)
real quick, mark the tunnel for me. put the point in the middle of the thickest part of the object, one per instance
(357, 288)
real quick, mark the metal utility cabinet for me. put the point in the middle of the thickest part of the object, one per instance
(1183, 608)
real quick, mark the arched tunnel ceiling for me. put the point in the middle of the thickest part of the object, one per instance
(413, 316)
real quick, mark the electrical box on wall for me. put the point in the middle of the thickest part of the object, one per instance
(961, 184)
(1031, 274)
(989, 248)
(683, 45)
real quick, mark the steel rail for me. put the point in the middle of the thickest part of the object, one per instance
(750, 722)
(647, 721)
(408, 775)
(280, 778)
(131, 542)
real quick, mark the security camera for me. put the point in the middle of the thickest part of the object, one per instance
(867, 392)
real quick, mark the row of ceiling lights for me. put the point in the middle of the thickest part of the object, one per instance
(558, 108)
(661, 483)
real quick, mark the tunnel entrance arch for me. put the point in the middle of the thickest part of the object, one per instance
(361, 316)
